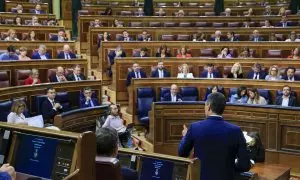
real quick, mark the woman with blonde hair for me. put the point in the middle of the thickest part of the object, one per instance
(184, 72)
(274, 74)
(281, 12)
(236, 71)
(16, 115)
(23, 54)
(33, 78)
(255, 98)
(11, 36)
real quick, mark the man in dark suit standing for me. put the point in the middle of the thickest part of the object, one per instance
(219, 7)
(59, 75)
(66, 53)
(287, 99)
(88, 101)
(173, 95)
(160, 72)
(290, 74)
(135, 73)
(210, 73)
(294, 6)
(50, 107)
(216, 142)
(76, 75)
(107, 145)
(256, 72)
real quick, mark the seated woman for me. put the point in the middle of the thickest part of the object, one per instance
(163, 52)
(97, 23)
(183, 53)
(23, 54)
(11, 36)
(236, 71)
(268, 24)
(224, 53)
(116, 23)
(31, 36)
(274, 74)
(292, 37)
(240, 96)
(245, 53)
(255, 98)
(18, 21)
(294, 54)
(16, 115)
(213, 89)
(33, 78)
(281, 12)
(249, 12)
(199, 37)
(184, 72)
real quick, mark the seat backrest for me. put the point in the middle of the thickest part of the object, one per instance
(163, 91)
(202, 24)
(279, 93)
(38, 103)
(136, 24)
(233, 24)
(169, 24)
(20, 76)
(276, 53)
(145, 98)
(209, 14)
(232, 91)
(266, 94)
(209, 89)
(53, 36)
(4, 79)
(119, 37)
(5, 107)
(167, 37)
(126, 13)
(193, 13)
(183, 37)
(207, 52)
(63, 99)
(218, 24)
(189, 93)
(185, 24)
(108, 167)
(154, 24)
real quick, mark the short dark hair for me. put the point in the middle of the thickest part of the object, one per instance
(107, 141)
(290, 67)
(87, 89)
(144, 49)
(287, 86)
(11, 48)
(240, 89)
(48, 89)
(210, 65)
(217, 102)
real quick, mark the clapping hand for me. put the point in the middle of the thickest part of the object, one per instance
(184, 131)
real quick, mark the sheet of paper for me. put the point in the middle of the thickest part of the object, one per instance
(36, 121)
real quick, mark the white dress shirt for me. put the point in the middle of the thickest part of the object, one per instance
(67, 56)
(160, 73)
(256, 76)
(77, 77)
(210, 75)
(291, 79)
(43, 56)
(114, 122)
(285, 101)
(173, 98)
(137, 74)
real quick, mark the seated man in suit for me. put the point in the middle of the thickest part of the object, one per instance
(173, 95)
(268, 11)
(256, 72)
(231, 37)
(66, 53)
(50, 107)
(159, 71)
(76, 75)
(256, 36)
(145, 36)
(135, 73)
(61, 36)
(290, 74)
(126, 36)
(41, 53)
(283, 23)
(107, 145)
(218, 37)
(118, 52)
(38, 9)
(88, 101)
(34, 21)
(287, 99)
(142, 53)
(210, 73)
(218, 144)
(10, 54)
(59, 75)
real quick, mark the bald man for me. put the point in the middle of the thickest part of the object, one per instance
(59, 75)
(66, 53)
(173, 95)
(256, 36)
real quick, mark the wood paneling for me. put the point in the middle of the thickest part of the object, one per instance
(26, 6)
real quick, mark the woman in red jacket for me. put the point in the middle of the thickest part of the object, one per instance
(33, 78)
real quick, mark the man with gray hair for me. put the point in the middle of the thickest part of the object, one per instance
(41, 53)
(220, 145)
(217, 37)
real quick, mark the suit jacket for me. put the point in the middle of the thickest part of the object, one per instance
(239, 76)
(167, 97)
(48, 112)
(144, 39)
(259, 38)
(129, 174)
(55, 38)
(138, 54)
(234, 39)
(112, 55)
(36, 55)
(156, 74)
(61, 55)
(84, 103)
(292, 100)
(221, 39)
(71, 77)
(53, 78)
(296, 78)
(262, 75)
(123, 39)
(215, 74)
(217, 144)
(131, 75)
(280, 24)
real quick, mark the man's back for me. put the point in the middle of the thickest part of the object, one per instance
(217, 144)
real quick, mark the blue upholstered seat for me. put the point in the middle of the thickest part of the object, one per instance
(266, 94)
(145, 98)
(38, 103)
(4, 110)
(63, 99)
(163, 91)
(189, 93)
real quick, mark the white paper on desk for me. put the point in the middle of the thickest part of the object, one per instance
(36, 121)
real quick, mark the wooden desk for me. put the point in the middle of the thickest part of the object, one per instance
(29, 92)
(43, 66)
(197, 66)
(26, 16)
(278, 127)
(26, 6)
(271, 171)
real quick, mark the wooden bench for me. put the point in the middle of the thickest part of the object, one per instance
(43, 66)
(197, 66)
(26, 16)
(28, 93)
(26, 6)
(279, 130)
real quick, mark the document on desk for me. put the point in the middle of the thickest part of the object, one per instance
(36, 121)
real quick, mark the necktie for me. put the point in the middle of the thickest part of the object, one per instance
(210, 76)
(256, 76)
